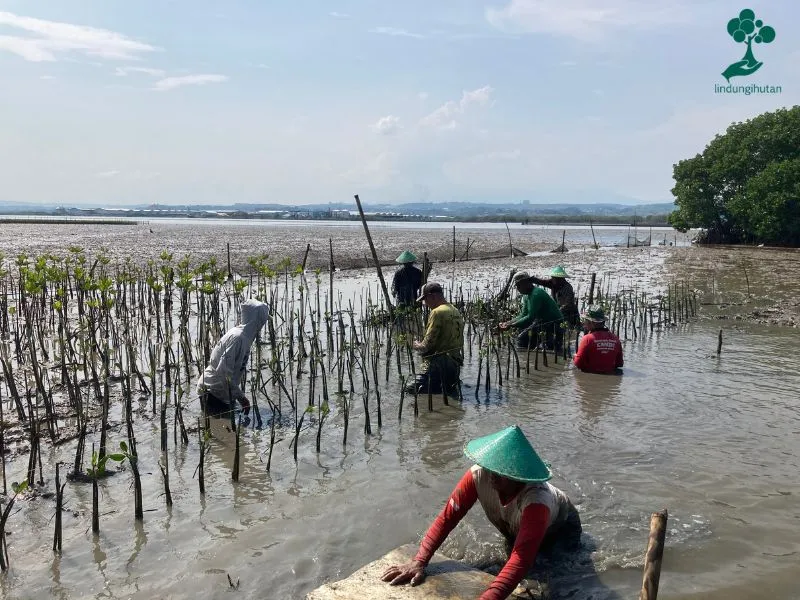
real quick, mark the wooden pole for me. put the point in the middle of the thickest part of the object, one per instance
(593, 238)
(719, 343)
(510, 245)
(655, 552)
(426, 267)
(454, 243)
(230, 273)
(591, 288)
(386, 296)
(305, 257)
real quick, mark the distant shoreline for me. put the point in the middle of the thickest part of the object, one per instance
(143, 218)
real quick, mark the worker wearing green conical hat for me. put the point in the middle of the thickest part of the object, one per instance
(562, 293)
(407, 280)
(510, 482)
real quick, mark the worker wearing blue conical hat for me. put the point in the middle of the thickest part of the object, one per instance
(407, 280)
(510, 482)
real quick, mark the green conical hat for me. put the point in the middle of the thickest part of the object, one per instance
(406, 257)
(559, 272)
(510, 454)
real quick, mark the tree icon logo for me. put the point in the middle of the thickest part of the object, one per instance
(745, 29)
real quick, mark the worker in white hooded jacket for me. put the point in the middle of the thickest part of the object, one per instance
(220, 383)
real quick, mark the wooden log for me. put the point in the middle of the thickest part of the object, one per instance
(386, 296)
(655, 552)
(719, 343)
(591, 288)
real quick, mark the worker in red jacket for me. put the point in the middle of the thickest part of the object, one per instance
(599, 351)
(509, 480)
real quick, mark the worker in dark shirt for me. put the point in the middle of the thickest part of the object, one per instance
(407, 280)
(562, 293)
(599, 350)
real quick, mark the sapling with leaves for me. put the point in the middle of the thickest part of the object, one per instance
(17, 488)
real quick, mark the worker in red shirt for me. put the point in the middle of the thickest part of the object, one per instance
(599, 350)
(510, 481)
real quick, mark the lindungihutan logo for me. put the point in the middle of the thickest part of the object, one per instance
(746, 29)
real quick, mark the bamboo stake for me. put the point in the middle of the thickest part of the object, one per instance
(386, 296)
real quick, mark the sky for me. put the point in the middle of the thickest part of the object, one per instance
(298, 101)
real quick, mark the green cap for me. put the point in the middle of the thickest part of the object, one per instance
(406, 257)
(594, 313)
(559, 272)
(510, 454)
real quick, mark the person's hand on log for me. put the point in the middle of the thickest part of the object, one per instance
(412, 572)
(504, 325)
(417, 344)
(245, 403)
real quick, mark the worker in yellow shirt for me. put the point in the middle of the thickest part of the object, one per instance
(442, 348)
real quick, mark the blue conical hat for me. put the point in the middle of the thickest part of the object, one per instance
(406, 257)
(510, 454)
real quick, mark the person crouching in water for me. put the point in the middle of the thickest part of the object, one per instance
(442, 348)
(599, 350)
(510, 482)
(220, 384)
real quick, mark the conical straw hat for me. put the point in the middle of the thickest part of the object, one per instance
(559, 272)
(510, 454)
(406, 257)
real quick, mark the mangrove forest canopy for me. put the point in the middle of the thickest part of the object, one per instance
(745, 186)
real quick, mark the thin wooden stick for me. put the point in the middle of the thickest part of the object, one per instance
(655, 552)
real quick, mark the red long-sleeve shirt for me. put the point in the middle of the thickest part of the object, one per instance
(533, 526)
(599, 351)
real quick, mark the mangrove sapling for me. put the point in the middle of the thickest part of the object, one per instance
(542, 343)
(59, 506)
(97, 470)
(235, 469)
(17, 488)
(3, 444)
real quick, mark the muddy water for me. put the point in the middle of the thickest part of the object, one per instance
(713, 439)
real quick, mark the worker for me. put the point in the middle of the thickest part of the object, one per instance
(599, 350)
(221, 381)
(562, 293)
(407, 280)
(442, 347)
(540, 314)
(510, 482)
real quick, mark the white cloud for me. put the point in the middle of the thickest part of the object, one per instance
(394, 31)
(107, 174)
(47, 77)
(170, 83)
(587, 20)
(422, 96)
(338, 15)
(125, 71)
(386, 125)
(51, 39)
(445, 117)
